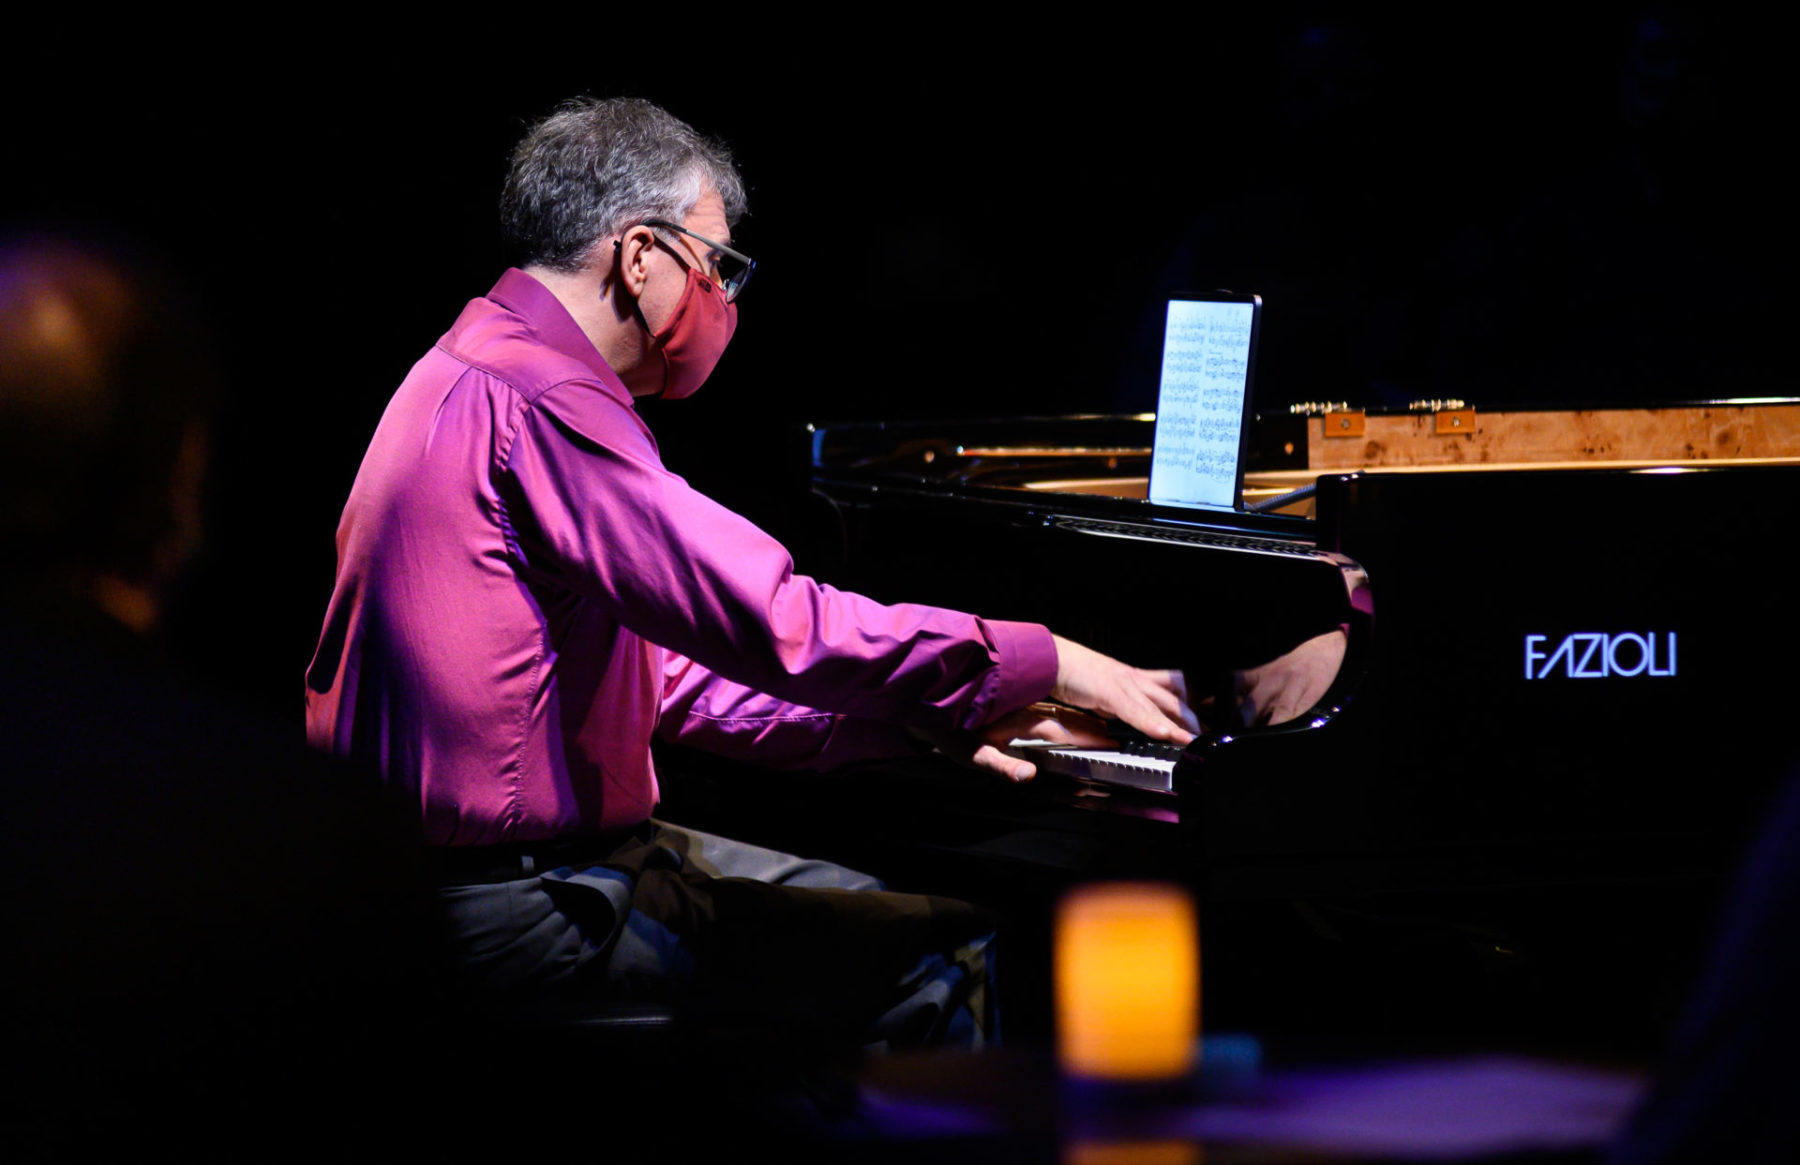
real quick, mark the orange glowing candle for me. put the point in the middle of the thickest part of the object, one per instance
(1127, 982)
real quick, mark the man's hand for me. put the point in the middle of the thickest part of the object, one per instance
(985, 748)
(1283, 688)
(1153, 702)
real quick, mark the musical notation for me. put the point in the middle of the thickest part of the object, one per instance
(1199, 412)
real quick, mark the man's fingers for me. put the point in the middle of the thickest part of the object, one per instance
(1072, 726)
(985, 748)
(1011, 767)
(1172, 702)
(1159, 719)
(1153, 702)
(1052, 722)
(1174, 681)
(1081, 735)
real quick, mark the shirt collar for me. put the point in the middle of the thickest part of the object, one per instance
(532, 302)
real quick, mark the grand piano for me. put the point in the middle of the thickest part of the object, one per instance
(1571, 631)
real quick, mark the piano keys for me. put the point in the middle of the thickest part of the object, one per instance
(1135, 764)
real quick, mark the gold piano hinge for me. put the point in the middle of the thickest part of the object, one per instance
(1452, 417)
(1338, 418)
(1454, 422)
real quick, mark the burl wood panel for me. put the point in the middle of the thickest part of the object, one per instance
(1692, 433)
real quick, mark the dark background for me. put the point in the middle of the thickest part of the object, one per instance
(951, 218)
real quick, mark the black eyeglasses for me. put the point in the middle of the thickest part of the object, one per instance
(733, 268)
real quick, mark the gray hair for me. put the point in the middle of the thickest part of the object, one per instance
(595, 168)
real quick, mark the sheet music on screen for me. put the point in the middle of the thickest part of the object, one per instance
(1200, 403)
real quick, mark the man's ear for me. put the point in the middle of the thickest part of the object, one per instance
(633, 250)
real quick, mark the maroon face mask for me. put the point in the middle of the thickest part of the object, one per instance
(695, 336)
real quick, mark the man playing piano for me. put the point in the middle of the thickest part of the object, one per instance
(524, 595)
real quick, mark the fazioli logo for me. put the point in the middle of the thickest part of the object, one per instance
(1596, 655)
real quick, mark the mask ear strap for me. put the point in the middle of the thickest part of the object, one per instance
(618, 267)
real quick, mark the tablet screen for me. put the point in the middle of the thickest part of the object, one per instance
(1203, 401)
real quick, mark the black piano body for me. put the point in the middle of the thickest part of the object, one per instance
(1555, 674)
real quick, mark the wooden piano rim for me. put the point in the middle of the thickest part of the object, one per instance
(1287, 479)
(1273, 483)
(1286, 475)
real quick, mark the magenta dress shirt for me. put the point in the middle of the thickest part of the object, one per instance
(524, 595)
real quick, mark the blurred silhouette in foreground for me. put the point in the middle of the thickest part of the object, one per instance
(107, 391)
(215, 931)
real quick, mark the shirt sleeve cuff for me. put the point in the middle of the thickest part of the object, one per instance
(1027, 665)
